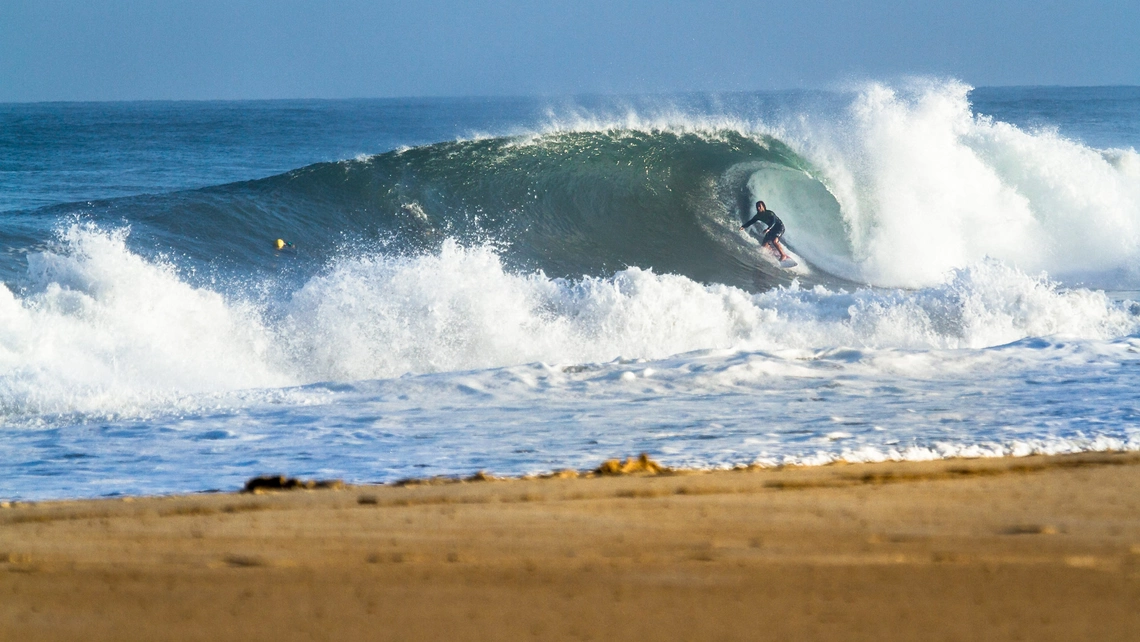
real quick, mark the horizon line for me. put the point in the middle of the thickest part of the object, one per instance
(597, 94)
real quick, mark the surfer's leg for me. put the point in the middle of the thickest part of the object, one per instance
(779, 248)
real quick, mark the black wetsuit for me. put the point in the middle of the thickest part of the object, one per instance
(773, 222)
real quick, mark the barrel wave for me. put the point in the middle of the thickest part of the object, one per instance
(569, 204)
(899, 187)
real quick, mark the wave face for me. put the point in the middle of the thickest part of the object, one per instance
(568, 203)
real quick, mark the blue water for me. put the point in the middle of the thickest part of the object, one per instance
(519, 285)
(74, 152)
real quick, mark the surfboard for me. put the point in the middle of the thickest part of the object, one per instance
(787, 263)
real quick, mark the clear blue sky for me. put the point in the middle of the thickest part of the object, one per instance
(202, 49)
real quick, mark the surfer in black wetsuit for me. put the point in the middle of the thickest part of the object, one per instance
(775, 228)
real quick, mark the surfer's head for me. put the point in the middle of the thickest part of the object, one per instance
(760, 207)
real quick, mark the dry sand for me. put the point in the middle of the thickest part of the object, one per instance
(1035, 548)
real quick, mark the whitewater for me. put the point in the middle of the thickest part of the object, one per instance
(553, 285)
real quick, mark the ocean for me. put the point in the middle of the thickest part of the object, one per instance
(520, 285)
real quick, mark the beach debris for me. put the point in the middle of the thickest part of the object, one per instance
(264, 483)
(245, 561)
(565, 473)
(438, 480)
(1031, 529)
(643, 465)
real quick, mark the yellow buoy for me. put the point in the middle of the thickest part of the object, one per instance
(280, 243)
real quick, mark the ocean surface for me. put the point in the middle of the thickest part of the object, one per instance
(518, 285)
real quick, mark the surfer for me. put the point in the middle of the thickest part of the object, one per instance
(775, 228)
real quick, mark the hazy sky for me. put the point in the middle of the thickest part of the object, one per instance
(138, 49)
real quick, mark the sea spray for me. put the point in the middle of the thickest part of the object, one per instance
(382, 316)
(924, 185)
(100, 330)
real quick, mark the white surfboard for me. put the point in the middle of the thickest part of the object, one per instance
(790, 263)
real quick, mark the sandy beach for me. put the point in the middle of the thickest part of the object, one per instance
(1030, 548)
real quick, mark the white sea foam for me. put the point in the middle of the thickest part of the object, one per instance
(380, 316)
(377, 316)
(101, 330)
(926, 186)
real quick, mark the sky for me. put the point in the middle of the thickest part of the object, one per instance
(251, 49)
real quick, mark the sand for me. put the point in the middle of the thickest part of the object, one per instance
(1033, 548)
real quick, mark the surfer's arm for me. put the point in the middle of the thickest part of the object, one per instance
(750, 221)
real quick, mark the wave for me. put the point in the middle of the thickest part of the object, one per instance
(923, 226)
(898, 187)
(569, 203)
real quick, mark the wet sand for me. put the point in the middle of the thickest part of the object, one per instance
(1032, 548)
